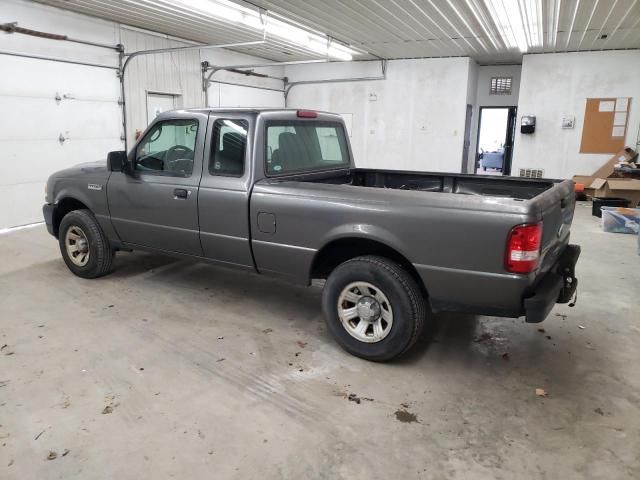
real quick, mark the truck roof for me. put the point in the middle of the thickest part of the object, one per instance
(246, 110)
(253, 110)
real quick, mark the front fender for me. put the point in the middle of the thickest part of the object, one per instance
(92, 193)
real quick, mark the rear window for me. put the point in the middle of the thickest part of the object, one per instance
(303, 146)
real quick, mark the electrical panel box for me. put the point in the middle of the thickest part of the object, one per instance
(528, 124)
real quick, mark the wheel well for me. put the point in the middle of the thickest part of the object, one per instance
(339, 251)
(63, 207)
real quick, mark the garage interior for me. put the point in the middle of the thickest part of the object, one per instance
(168, 368)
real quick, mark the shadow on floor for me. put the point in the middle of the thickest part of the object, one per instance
(451, 337)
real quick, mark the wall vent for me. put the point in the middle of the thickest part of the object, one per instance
(532, 172)
(500, 86)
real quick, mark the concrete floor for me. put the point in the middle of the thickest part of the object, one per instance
(169, 369)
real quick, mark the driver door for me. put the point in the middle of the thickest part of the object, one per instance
(154, 202)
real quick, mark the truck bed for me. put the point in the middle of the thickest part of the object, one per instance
(454, 227)
(484, 185)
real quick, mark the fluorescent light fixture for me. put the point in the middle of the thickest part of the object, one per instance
(519, 22)
(234, 13)
(533, 22)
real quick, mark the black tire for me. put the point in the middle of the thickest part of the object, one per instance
(100, 252)
(403, 293)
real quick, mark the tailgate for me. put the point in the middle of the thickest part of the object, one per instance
(556, 207)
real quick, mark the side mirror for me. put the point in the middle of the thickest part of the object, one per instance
(116, 161)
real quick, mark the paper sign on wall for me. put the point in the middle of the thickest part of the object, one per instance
(617, 132)
(606, 106)
(620, 118)
(622, 104)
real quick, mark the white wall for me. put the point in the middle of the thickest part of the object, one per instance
(554, 85)
(483, 99)
(415, 123)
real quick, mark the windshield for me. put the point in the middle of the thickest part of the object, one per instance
(295, 146)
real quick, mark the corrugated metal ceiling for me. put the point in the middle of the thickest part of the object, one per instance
(391, 28)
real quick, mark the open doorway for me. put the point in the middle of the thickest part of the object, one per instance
(496, 130)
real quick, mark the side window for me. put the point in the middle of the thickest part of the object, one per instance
(168, 148)
(228, 148)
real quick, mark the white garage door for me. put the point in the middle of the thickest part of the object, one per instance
(228, 96)
(32, 121)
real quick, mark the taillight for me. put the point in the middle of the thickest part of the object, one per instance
(523, 248)
(307, 114)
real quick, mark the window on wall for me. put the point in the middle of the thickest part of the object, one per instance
(500, 86)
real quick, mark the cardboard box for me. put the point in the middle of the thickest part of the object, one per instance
(605, 171)
(628, 188)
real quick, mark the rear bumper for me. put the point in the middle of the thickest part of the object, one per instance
(47, 212)
(557, 286)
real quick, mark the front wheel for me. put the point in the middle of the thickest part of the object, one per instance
(84, 246)
(373, 307)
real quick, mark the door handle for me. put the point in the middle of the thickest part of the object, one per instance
(180, 193)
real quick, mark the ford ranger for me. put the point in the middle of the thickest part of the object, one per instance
(277, 192)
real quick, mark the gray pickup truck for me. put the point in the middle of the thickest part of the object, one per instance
(276, 192)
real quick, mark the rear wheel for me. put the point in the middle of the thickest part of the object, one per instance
(84, 247)
(373, 307)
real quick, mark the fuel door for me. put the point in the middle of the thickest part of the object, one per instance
(267, 222)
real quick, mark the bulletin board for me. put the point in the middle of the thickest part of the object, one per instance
(605, 125)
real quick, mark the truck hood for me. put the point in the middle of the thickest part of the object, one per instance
(92, 169)
(84, 173)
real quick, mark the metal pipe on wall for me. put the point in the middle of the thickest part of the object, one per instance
(272, 64)
(133, 55)
(248, 86)
(56, 59)
(290, 85)
(13, 27)
(287, 85)
(231, 68)
(206, 80)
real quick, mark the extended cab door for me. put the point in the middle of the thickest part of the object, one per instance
(223, 198)
(154, 203)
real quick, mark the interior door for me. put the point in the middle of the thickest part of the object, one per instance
(158, 103)
(155, 202)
